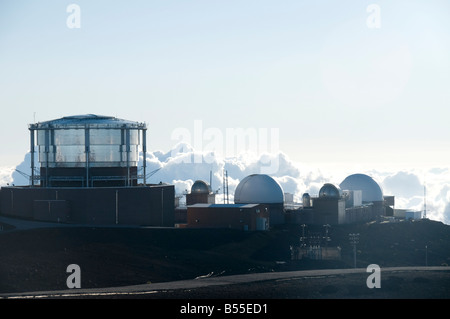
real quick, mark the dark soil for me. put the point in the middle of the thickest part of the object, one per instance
(32, 260)
(37, 259)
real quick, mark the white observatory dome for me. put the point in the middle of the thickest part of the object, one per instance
(371, 191)
(258, 189)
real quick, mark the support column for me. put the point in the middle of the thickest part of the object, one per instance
(47, 150)
(87, 153)
(144, 151)
(32, 155)
(127, 148)
(162, 205)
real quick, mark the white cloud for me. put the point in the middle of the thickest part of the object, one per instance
(5, 175)
(21, 173)
(182, 186)
(403, 184)
(183, 163)
(408, 188)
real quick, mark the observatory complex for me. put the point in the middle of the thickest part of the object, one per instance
(259, 203)
(88, 173)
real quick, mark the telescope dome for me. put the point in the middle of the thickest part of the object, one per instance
(200, 187)
(371, 191)
(330, 191)
(258, 189)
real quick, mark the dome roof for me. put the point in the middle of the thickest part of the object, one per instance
(258, 189)
(330, 191)
(200, 187)
(371, 191)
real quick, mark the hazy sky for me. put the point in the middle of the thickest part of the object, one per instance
(338, 89)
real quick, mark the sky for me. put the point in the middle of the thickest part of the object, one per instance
(337, 87)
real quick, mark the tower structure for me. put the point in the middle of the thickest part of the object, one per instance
(87, 150)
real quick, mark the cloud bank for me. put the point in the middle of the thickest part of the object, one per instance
(183, 165)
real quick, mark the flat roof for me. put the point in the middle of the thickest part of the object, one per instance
(87, 120)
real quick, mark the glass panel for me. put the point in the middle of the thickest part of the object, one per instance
(40, 137)
(105, 137)
(69, 137)
(133, 155)
(134, 137)
(104, 153)
(70, 153)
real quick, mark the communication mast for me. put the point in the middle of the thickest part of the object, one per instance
(225, 187)
(354, 240)
(424, 201)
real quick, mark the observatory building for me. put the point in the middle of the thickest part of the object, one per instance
(329, 207)
(262, 189)
(358, 198)
(371, 191)
(201, 193)
(369, 204)
(88, 150)
(88, 173)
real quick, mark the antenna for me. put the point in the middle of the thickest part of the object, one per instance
(226, 174)
(424, 201)
(225, 187)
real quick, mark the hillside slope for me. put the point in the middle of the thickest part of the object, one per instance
(37, 259)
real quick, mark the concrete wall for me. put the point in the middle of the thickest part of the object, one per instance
(329, 211)
(225, 216)
(149, 205)
(51, 210)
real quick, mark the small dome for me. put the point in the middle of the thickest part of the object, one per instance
(330, 191)
(258, 189)
(371, 191)
(306, 200)
(200, 187)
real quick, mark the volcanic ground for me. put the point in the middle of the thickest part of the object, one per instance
(37, 259)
